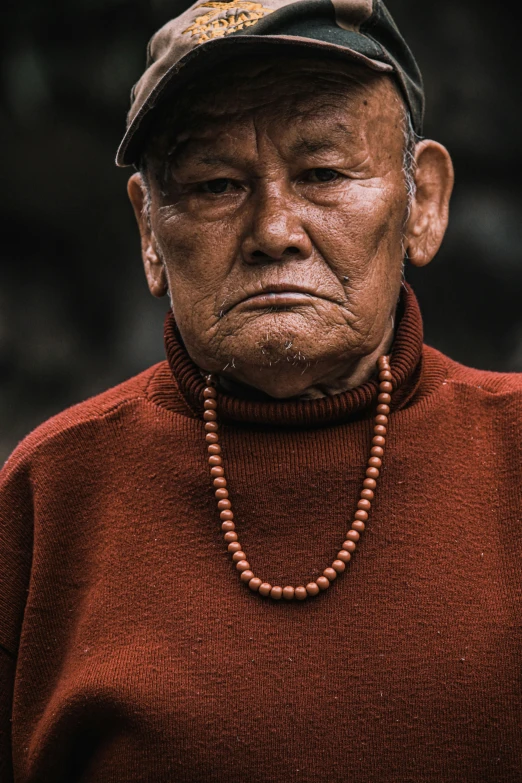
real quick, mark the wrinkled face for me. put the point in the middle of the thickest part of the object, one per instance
(278, 210)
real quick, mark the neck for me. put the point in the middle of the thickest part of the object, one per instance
(358, 373)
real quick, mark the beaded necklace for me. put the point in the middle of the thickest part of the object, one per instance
(358, 524)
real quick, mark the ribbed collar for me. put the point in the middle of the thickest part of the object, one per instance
(405, 364)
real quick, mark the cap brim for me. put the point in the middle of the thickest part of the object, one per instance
(202, 57)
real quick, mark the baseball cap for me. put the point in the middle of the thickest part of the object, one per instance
(208, 33)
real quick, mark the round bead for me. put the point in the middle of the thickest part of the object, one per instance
(255, 584)
(349, 546)
(221, 493)
(239, 555)
(383, 409)
(209, 416)
(225, 503)
(361, 514)
(379, 429)
(385, 387)
(276, 593)
(226, 514)
(384, 399)
(211, 426)
(215, 460)
(227, 526)
(367, 494)
(377, 451)
(330, 574)
(381, 420)
(288, 593)
(220, 482)
(374, 462)
(339, 566)
(369, 483)
(358, 525)
(312, 588)
(230, 537)
(372, 473)
(378, 440)
(300, 593)
(217, 471)
(246, 576)
(234, 546)
(323, 583)
(352, 535)
(243, 565)
(364, 504)
(264, 588)
(214, 448)
(385, 375)
(209, 392)
(210, 404)
(211, 437)
(344, 555)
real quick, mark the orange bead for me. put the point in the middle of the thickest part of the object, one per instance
(378, 440)
(369, 483)
(323, 583)
(226, 514)
(372, 473)
(344, 555)
(367, 494)
(276, 593)
(288, 593)
(374, 462)
(300, 593)
(377, 451)
(379, 429)
(312, 588)
(358, 525)
(330, 574)
(209, 416)
(352, 535)
(221, 493)
(230, 537)
(214, 448)
(215, 460)
(227, 526)
(211, 426)
(234, 546)
(239, 555)
(209, 392)
(264, 588)
(255, 584)
(349, 546)
(217, 471)
(339, 565)
(243, 565)
(246, 576)
(223, 504)
(220, 483)
(364, 504)
(384, 399)
(383, 420)
(383, 409)
(385, 387)
(210, 404)
(361, 514)
(211, 437)
(385, 375)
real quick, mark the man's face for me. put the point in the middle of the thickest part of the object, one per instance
(279, 218)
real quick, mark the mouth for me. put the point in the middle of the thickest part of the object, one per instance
(277, 296)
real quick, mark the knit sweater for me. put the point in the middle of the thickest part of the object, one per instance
(130, 650)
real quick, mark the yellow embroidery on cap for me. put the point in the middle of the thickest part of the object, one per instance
(225, 18)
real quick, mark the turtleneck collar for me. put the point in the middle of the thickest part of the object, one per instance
(405, 361)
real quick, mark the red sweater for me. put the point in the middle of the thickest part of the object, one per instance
(130, 651)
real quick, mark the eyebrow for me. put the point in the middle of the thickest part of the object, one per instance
(311, 146)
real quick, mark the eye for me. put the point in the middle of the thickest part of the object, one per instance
(322, 175)
(216, 186)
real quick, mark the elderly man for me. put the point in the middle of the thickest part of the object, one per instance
(290, 552)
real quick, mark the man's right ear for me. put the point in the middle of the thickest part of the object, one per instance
(154, 267)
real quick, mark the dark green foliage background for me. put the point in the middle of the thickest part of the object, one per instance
(75, 314)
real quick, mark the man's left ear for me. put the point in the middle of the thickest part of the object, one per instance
(428, 219)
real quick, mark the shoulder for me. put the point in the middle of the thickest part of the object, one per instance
(98, 409)
(486, 381)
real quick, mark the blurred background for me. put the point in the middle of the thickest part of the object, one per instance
(75, 314)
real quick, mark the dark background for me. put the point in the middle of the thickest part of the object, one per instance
(75, 313)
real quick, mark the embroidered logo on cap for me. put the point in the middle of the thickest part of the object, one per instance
(225, 18)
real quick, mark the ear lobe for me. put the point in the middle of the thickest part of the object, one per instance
(428, 219)
(152, 262)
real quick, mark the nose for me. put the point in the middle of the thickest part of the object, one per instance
(275, 231)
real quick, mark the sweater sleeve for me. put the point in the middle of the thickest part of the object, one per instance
(16, 524)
